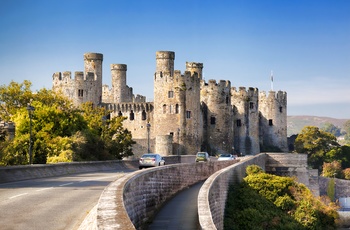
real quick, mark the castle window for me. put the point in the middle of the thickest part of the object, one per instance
(120, 114)
(270, 122)
(132, 115)
(251, 105)
(170, 94)
(238, 123)
(143, 115)
(164, 108)
(170, 109)
(171, 134)
(177, 108)
(80, 93)
(227, 100)
(281, 109)
(212, 120)
(188, 114)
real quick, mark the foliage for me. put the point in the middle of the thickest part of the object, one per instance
(253, 169)
(60, 132)
(346, 173)
(330, 128)
(332, 169)
(265, 201)
(346, 128)
(316, 143)
(331, 189)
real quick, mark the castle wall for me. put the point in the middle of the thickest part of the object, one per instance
(273, 122)
(246, 120)
(197, 116)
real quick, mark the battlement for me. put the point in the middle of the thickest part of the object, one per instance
(93, 56)
(121, 67)
(242, 91)
(79, 76)
(196, 65)
(128, 107)
(165, 55)
(279, 95)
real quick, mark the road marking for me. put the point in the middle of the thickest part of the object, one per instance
(39, 190)
(66, 184)
(23, 194)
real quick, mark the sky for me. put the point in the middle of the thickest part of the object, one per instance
(305, 43)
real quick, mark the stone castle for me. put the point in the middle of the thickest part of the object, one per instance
(188, 114)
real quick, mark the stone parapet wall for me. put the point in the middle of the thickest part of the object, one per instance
(26, 172)
(132, 200)
(213, 194)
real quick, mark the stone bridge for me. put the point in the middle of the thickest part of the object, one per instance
(131, 201)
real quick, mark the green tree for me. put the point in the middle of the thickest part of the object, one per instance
(316, 143)
(346, 128)
(330, 128)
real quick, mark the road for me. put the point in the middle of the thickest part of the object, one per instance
(52, 203)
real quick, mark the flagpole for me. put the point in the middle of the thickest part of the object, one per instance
(271, 80)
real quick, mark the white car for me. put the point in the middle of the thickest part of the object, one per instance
(226, 157)
(151, 160)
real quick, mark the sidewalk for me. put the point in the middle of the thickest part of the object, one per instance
(180, 212)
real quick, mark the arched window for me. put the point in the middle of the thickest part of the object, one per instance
(164, 108)
(177, 108)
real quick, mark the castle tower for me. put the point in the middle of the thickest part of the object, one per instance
(195, 67)
(217, 116)
(246, 120)
(119, 87)
(165, 62)
(93, 78)
(176, 104)
(273, 122)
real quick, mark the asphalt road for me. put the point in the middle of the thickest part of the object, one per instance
(52, 203)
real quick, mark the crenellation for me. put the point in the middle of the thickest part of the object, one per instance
(188, 114)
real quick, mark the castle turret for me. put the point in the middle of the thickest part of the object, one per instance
(165, 62)
(273, 122)
(246, 120)
(118, 72)
(93, 74)
(217, 116)
(195, 67)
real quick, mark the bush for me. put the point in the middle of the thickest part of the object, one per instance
(265, 201)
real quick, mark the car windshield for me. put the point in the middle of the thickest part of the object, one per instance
(149, 156)
(225, 155)
(200, 154)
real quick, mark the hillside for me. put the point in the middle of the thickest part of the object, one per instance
(296, 123)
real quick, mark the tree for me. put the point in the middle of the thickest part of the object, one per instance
(316, 143)
(330, 128)
(346, 173)
(346, 128)
(332, 169)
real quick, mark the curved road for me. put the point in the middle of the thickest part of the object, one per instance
(52, 203)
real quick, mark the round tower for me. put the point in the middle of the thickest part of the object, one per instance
(118, 72)
(246, 120)
(195, 67)
(273, 124)
(165, 62)
(93, 77)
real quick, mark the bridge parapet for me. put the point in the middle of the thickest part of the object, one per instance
(131, 201)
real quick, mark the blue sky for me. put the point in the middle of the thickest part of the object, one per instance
(305, 43)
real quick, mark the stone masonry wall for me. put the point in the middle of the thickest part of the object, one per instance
(135, 198)
(213, 194)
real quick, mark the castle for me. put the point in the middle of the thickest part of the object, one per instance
(188, 114)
